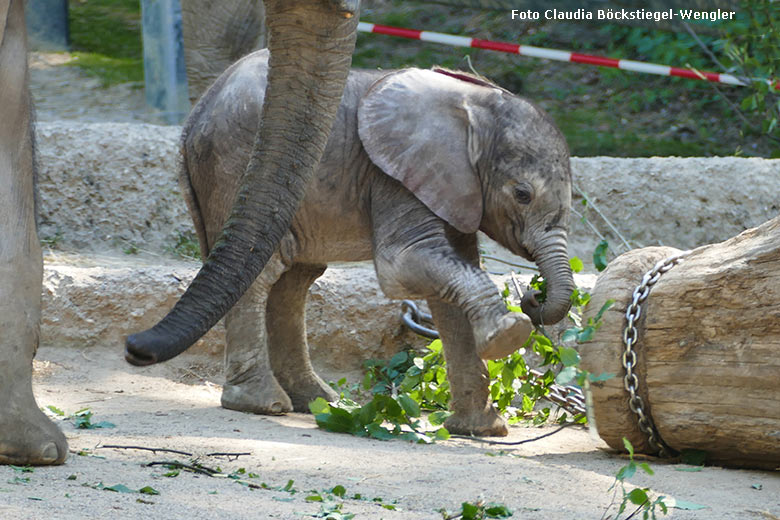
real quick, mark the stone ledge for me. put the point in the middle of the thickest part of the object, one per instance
(95, 301)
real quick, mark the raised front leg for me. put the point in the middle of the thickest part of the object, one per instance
(415, 258)
(287, 337)
(250, 385)
(473, 409)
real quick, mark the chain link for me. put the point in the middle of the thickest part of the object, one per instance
(568, 397)
(630, 338)
(412, 317)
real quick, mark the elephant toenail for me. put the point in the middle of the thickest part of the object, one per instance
(50, 453)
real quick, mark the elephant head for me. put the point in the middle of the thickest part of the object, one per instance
(480, 158)
(311, 44)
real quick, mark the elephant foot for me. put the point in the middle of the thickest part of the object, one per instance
(485, 423)
(305, 390)
(509, 334)
(27, 436)
(263, 396)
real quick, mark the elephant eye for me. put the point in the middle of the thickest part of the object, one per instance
(523, 194)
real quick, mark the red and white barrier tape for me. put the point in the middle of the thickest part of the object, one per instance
(551, 54)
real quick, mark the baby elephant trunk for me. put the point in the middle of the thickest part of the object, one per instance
(553, 261)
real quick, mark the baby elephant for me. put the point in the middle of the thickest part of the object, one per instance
(417, 162)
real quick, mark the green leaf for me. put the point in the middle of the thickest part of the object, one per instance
(507, 376)
(646, 468)
(392, 408)
(409, 405)
(626, 471)
(687, 506)
(119, 488)
(102, 424)
(339, 491)
(497, 511)
(56, 410)
(469, 511)
(629, 447)
(438, 418)
(148, 490)
(569, 356)
(565, 376)
(314, 498)
(586, 334)
(638, 496)
(367, 414)
(435, 346)
(601, 377)
(289, 486)
(379, 432)
(319, 406)
(174, 473)
(570, 334)
(607, 304)
(600, 255)
(576, 264)
(419, 438)
(442, 434)
(398, 360)
(338, 421)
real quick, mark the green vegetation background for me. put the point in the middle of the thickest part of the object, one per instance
(601, 111)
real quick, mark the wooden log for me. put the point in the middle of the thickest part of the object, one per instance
(708, 350)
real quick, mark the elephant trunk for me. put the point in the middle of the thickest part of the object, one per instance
(553, 261)
(311, 45)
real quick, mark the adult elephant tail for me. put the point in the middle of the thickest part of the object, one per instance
(311, 45)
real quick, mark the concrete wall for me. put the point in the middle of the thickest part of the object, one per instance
(106, 186)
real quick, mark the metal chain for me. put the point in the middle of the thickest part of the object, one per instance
(630, 337)
(568, 397)
(412, 316)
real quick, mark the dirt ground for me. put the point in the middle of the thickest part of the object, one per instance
(176, 406)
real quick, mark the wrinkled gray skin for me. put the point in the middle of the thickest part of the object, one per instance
(417, 161)
(310, 44)
(234, 29)
(26, 435)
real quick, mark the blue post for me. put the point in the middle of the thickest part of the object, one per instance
(47, 24)
(164, 72)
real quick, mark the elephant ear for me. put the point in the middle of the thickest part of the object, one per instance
(417, 126)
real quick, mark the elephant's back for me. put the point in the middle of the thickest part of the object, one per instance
(217, 140)
(225, 119)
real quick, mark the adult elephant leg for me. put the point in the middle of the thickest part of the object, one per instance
(250, 385)
(26, 435)
(287, 337)
(311, 44)
(215, 34)
(414, 257)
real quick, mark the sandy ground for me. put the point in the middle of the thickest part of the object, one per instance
(174, 406)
